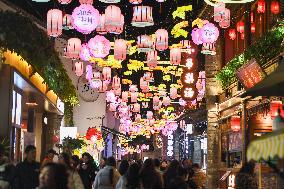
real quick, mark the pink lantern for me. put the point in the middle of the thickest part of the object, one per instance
(135, 2)
(89, 72)
(112, 107)
(133, 96)
(73, 48)
(136, 107)
(182, 102)
(64, 2)
(120, 49)
(209, 33)
(148, 76)
(137, 117)
(151, 122)
(67, 22)
(78, 67)
(149, 114)
(124, 96)
(85, 53)
(103, 87)
(99, 46)
(166, 100)
(101, 27)
(117, 91)
(173, 93)
(110, 96)
(145, 43)
(152, 59)
(119, 28)
(106, 73)
(225, 22)
(54, 22)
(97, 75)
(115, 82)
(161, 39)
(142, 16)
(133, 88)
(175, 56)
(156, 100)
(145, 89)
(208, 48)
(219, 12)
(196, 36)
(85, 18)
(113, 19)
(90, 2)
(143, 83)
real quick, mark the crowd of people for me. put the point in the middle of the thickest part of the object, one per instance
(74, 173)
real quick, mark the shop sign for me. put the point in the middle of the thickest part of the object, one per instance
(231, 181)
(250, 74)
(170, 147)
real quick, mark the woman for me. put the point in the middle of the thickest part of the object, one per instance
(123, 167)
(150, 178)
(107, 177)
(75, 162)
(53, 176)
(74, 181)
(131, 179)
(87, 170)
(181, 179)
(171, 173)
(246, 178)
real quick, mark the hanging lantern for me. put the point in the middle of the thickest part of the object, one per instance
(110, 96)
(145, 43)
(137, 117)
(99, 46)
(242, 36)
(103, 87)
(78, 67)
(95, 83)
(73, 48)
(219, 12)
(182, 125)
(124, 96)
(241, 27)
(112, 107)
(106, 73)
(225, 22)
(101, 27)
(115, 82)
(143, 83)
(120, 49)
(156, 100)
(261, 6)
(85, 54)
(196, 36)
(251, 17)
(173, 93)
(136, 107)
(166, 101)
(232, 34)
(208, 48)
(119, 28)
(113, 19)
(145, 89)
(64, 2)
(110, 1)
(152, 59)
(149, 114)
(275, 106)
(90, 2)
(161, 39)
(135, 2)
(148, 76)
(54, 22)
(175, 56)
(133, 88)
(274, 7)
(252, 27)
(133, 96)
(89, 72)
(67, 22)
(117, 91)
(142, 16)
(209, 33)
(235, 123)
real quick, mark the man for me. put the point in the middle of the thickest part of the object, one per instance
(49, 157)
(6, 170)
(27, 172)
(199, 176)
(157, 164)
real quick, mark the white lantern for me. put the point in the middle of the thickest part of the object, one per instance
(120, 49)
(135, 2)
(145, 43)
(152, 59)
(124, 96)
(73, 48)
(142, 16)
(133, 96)
(161, 39)
(54, 22)
(106, 73)
(78, 67)
(101, 29)
(175, 56)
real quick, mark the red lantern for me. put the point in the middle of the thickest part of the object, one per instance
(241, 26)
(235, 123)
(232, 34)
(274, 7)
(242, 36)
(261, 6)
(252, 27)
(251, 17)
(275, 105)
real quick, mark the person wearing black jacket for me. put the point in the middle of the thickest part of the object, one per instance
(6, 170)
(87, 170)
(27, 172)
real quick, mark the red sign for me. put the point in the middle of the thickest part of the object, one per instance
(250, 74)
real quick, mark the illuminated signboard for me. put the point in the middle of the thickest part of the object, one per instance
(231, 181)
(170, 147)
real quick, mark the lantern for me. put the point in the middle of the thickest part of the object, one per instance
(99, 46)
(112, 107)
(149, 114)
(235, 123)
(182, 102)
(252, 27)
(78, 67)
(110, 96)
(95, 83)
(225, 22)
(209, 33)
(145, 43)
(275, 106)
(232, 34)
(113, 18)
(54, 22)
(117, 91)
(103, 87)
(219, 12)
(133, 96)
(101, 27)
(106, 73)
(110, 1)
(191, 48)
(173, 93)
(120, 49)
(67, 22)
(161, 39)
(135, 2)
(89, 72)
(133, 88)
(261, 6)
(242, 36)
(196, 36)
(137, 117)
(251, 17)
(64, 2)
(143, 83)
(152, 59)
(156, 100)
(145, 89)
(73, 48)
(241, 27)
(208, 48)
(124, 96)
(166, 100)
(90, 2)
(142, 16)
(115, 82)
(182, 124)
(85, 53)
(136, 107)
(274, 7)
(175, 56)
(85, 18)
(148, 76)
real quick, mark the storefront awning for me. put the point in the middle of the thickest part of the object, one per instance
(268, 146)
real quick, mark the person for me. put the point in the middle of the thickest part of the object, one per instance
(157, 164)
(164, 166)
(6, 170)
(87, 170)
(199, 176)
(190, 182)
(171, 173)
(53, 176)
(246, 178)
(49, 157)
(123, 167)
(107, 177)
(75, 162)
(150, 178)
(131, 178)
(27, 172)
(186, 163)
(181, 179)
(102, 163)
(74, 180)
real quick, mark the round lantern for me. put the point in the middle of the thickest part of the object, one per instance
(274, 7)
(235, 123)
(219, 11)
(173, 93)
(145, 89)
(67, 22)
(89, 72)
(175, 56)
(54, 22)
(161, 39)
(113, 19)
(148, 76)
(275, 106)
(85, 53)
(196, 36)
(124, 96)
(133, 96)
(241, 27)
(252, 27)
(142, 16)
(99, 46)
(261, 6)
(106, 73)
(78, 67)
(225, 22)
(209, 33)
(85, 18)
(136, 107)
(166, 101)
(145, 43)
(101, 29)
(90, 2)
(152, 59)
(232, 34)
(64, 2)
(115, 82)
(120, 49)
(73, 48)
(135, 2)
